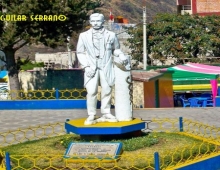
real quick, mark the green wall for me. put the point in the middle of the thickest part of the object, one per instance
(58, 79)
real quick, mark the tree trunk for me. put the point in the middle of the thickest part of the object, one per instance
(11, 67)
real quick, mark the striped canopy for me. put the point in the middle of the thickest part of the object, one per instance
(194, 71)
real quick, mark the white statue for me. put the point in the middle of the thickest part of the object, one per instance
(2, 61)
(95, 50)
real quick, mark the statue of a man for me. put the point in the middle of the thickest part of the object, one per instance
(94, 51)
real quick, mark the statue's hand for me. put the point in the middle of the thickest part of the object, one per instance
(123, 59)
(89, 72)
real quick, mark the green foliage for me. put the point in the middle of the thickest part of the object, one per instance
(67, 139)
(131, 144)
(30, 65)
(50, 33)
(179, 36)
(26, 64)
(139, 142)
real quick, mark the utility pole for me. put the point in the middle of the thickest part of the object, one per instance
(144, 38)
(70, 63)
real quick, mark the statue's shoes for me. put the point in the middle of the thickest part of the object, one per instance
(107, 118)
(90, 120)
(101, 119)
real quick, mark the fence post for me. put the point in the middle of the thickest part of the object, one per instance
(156, 161)
(57, 94)
(67, 120)
(181, 123)
(7, 161)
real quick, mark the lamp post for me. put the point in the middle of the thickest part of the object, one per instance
(70, 63)
(144, 39)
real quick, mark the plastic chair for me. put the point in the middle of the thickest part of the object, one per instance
(184, 101)
(207, 103)
(194, 102)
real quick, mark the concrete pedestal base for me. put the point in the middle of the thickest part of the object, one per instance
(105, 130)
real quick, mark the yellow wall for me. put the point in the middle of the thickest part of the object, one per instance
(166, 91)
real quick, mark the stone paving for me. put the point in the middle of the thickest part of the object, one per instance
(14, 119)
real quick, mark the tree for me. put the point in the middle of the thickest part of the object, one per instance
(178, 36)
(34, 27)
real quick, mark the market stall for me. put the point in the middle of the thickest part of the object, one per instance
(195, 77)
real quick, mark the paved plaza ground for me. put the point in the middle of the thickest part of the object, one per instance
(14, 119)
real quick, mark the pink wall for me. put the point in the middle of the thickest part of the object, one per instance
(208, 6)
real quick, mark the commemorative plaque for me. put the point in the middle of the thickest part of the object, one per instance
(94, 151)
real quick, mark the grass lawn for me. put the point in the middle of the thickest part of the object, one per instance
(138, 151)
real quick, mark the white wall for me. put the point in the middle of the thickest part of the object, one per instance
(57, 58)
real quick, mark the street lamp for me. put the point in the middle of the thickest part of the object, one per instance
(144, 39)
(70, 63)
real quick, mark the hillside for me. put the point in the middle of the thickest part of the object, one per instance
(130, 9)
(133, 9)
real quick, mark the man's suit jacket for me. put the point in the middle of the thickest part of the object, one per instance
(86, 53)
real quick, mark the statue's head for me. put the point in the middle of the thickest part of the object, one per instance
(96, 20)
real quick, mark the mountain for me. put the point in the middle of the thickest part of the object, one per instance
(130, 9)
(133, 9)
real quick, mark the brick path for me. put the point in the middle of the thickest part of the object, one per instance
(14, 119)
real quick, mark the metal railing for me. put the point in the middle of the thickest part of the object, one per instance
(2, 164)
(186, 7)
(43, 94)
(169, 159)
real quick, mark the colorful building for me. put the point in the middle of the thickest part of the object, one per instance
(157, 88)
(200, 7)
(195, 77)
